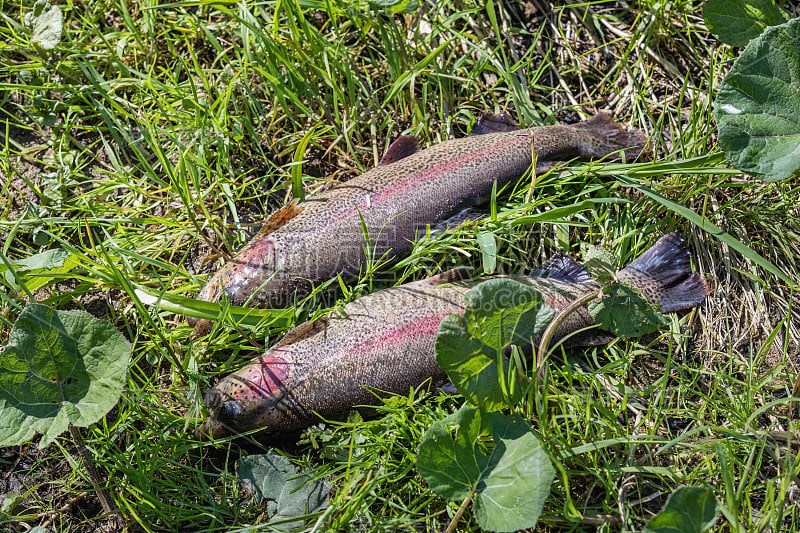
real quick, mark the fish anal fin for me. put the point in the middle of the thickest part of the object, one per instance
(279, 219)
(466, 215)
(401, 148)
(563, 267)
(303, 331)
(547, 166)
(491, 123)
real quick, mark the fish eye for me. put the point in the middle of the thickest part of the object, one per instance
(230, 410)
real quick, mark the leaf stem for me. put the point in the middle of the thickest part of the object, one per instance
(94, 476)
(547, 336)
(463, 507)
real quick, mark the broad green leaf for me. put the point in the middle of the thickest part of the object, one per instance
(50, 261)
(516, 488)
(511, 476)
(625, 313)
(13, 510)
(600, 264)
(688, 510)
(449, 458)
(737, 22)
(10, 502)
(46, 260)
(45, 22)
(472, 366)
(488, 245)
(470, 348)
(507, 312)
(758, 105)
(288, 492)
(58, 368)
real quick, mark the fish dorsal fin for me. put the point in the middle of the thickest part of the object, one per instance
(401, 148)
(279, 218)
(565, 268)
(303, 331)
(448, 276)
(491, 123)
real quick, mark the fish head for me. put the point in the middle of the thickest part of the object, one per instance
(242, 275)
(247, 399)
(251, 272)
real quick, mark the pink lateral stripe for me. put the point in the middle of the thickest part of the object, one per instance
(422, 326)
(422, 176)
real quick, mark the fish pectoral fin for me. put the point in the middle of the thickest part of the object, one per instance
(466, 215)
(491, 123)
(303, 331)
(279, 219)
(547, 166)
(401, 148)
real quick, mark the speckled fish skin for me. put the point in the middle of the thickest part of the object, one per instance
(322, 237)
(385, 342)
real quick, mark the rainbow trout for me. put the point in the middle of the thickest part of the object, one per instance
(303, 244)
(385, 342)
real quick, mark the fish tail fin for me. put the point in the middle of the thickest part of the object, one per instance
(608, 136)
(663, 274)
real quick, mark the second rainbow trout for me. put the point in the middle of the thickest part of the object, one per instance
(385, 342)
(304, 244)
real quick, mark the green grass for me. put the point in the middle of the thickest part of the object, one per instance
(156, 136)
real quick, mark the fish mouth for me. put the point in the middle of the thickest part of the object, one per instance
(218, 422)
(211, 428)
(240, 400)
